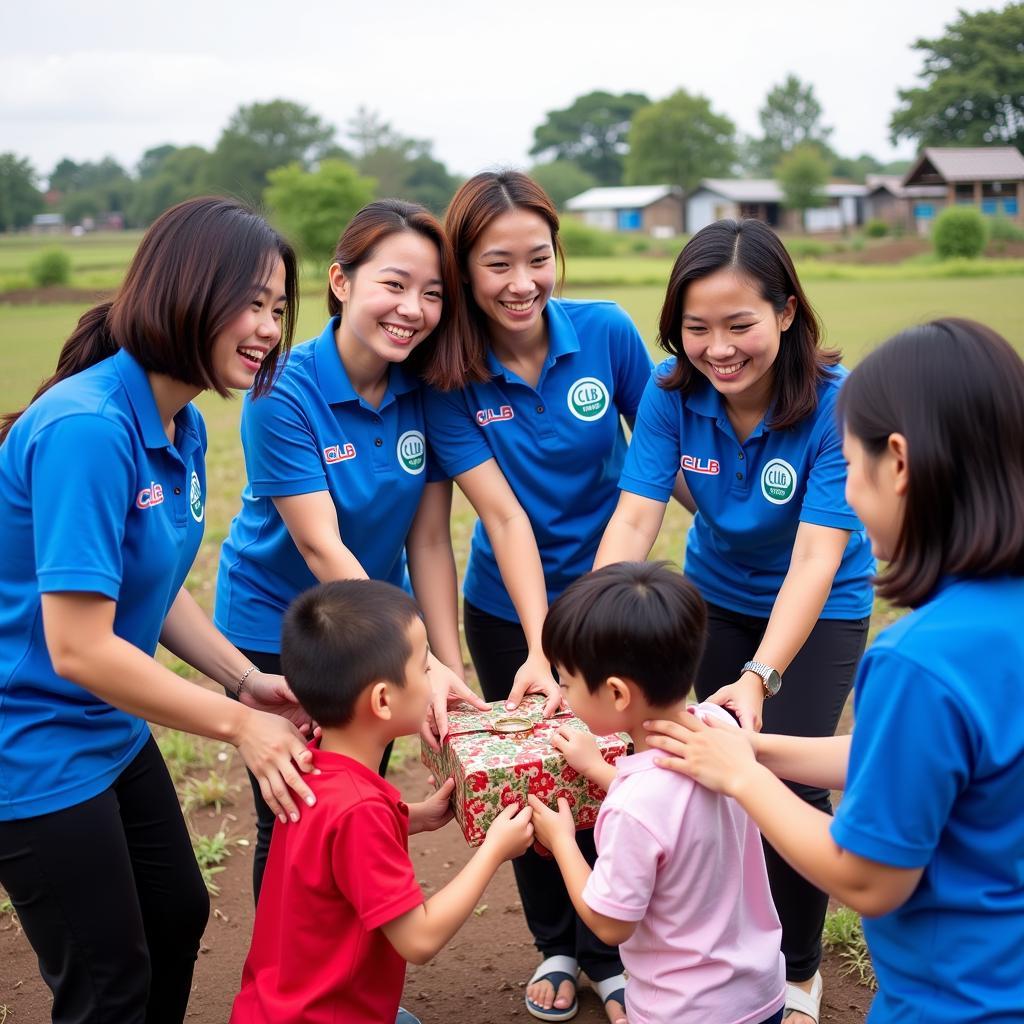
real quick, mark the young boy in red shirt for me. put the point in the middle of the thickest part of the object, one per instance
(340, 911)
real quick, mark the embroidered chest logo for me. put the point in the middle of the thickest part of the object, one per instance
(339, 453)
(412, 452)
(485, 416)
(588, 399)
(695, 464)
(150, 496)
(195, 498)
(778, 481)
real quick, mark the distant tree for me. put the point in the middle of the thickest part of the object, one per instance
(312, 207)
(260, 137)
(175, 175)
(803, 174)
(370, 132)
(562, 179)
(790, 117)
(592, 132)
(855, 168)
(974, 84)
(20, 200)
(64, 177)
(92, 189)
(679, 141)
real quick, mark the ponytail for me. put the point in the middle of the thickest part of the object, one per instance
(90, 343)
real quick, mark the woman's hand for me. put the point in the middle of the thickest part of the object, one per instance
(276, 753)
(745, 698)
(447, 688)
(266, 692)
(716, 754)
(534, 676)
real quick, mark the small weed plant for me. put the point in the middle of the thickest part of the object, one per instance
(211, 852)
(213, 791)
(844, 934)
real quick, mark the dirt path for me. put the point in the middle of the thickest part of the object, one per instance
(478, 979)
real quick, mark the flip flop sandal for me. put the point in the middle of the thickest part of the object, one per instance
(613, 988)
(799, 1001)
(405, 1017)
(556, 970)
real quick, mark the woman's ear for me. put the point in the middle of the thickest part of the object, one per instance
(341, 284)
(788, 314)
(897, 449)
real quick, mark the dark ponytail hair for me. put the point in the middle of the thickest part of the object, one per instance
(754, 251)
(955, 390)
(197, 267)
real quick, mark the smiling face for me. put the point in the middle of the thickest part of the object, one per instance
(239, 349)
(511, 271)
(732, 335)
(393, 300)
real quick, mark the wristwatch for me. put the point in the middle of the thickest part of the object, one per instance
(770, 678)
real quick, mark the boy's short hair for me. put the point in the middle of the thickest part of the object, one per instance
(339, 637)
(637, 620)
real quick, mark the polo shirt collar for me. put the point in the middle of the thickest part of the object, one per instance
(562, 340)
(328, 761)
(140, 396)
(333, 380)
(706, 401)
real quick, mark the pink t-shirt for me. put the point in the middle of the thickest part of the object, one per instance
(688, 866)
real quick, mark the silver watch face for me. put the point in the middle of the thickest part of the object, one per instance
(773, 683)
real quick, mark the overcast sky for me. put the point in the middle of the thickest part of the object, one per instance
(86, 79)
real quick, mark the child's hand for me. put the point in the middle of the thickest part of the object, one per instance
(511, 832)
(552, 826)
(434, 812)
(579, 749)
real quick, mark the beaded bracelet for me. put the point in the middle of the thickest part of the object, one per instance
(245, 675)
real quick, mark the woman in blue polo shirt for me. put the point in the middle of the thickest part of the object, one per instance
(541, 437)
(338, 478)
(928, 842)
(745, 407)
(102, 507)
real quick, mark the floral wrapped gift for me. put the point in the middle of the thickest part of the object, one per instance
(498, 756)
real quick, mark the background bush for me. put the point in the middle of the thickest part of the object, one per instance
(876, 228)
(580, 239)
(1002, 229)
(51, 266)
(959, 231)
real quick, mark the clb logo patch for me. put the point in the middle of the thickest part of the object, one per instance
(412, 452)
(778, 481)
(195, 498)
(588, 399)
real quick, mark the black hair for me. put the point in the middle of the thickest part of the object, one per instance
(641, 621)
(753, 250)
(338, 638)
(955, 390)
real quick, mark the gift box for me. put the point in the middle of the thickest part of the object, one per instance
(498, 756)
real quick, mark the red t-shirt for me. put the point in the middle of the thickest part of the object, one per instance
(332, 879)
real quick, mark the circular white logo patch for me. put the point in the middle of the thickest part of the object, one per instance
(412, 452)
(778, 481)
(195, 498)
(588, 399)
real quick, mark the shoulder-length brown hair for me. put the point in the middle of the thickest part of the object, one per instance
(441, 360)
(478, 201)
(955, 390)
(752, 249)
(197, 267)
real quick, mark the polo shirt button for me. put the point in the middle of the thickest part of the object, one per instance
(177, 490)
(540, 408)
(739, 476)
(741, 455)
(378, 441)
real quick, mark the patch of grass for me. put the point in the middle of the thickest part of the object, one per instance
(211, 852)
(213, 791)
(184, 753)
(844, 935)
(7, 911)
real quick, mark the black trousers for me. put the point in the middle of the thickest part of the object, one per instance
(111, 899)
(813, 694)
(498, 648)
(265, 817)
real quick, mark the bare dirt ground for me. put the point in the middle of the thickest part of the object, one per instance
(478, 979)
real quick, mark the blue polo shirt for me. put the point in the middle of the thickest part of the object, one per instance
(750, 497)
(939, 712)
(560, 444)
(93, 498)
(313, 432)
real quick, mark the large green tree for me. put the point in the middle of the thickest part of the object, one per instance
(167, 175)
(973, 92)
(562, 179)
(262, 136)
(803, 174)
(20, 200)
(791, 117)
(679, 141)
(592, 132)
(92, 188)
(312, 207)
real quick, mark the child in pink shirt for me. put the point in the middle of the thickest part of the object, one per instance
(680, 882)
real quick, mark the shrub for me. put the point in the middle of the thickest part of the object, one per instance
(1002, 229)
(580, 239)
(959, 231)
(876, 228)
(51, 266)
(805, 248)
